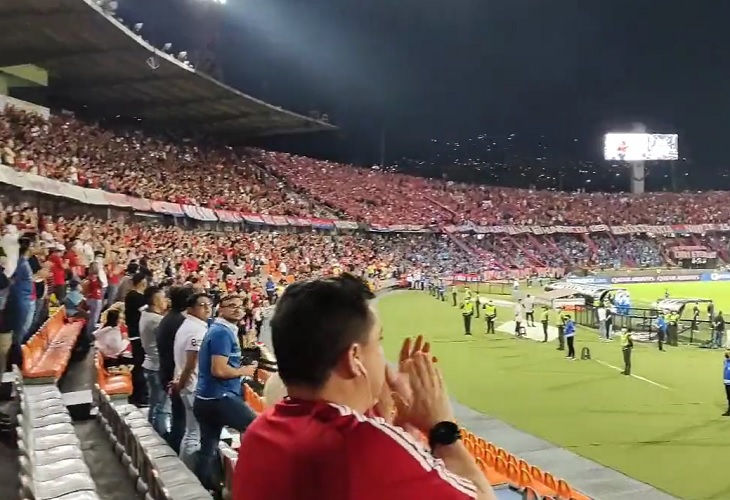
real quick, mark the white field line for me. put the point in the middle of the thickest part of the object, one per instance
(657, 384)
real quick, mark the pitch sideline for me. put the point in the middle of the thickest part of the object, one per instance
(639, 377)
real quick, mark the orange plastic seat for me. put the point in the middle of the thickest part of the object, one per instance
(47, 353)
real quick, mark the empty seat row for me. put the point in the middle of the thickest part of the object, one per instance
(501, 467)
(47, 353)
(52, 464)
(156, 468)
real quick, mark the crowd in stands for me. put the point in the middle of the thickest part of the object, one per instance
(182, 308)
(252, 180)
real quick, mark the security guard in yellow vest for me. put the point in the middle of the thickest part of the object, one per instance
(454, 292)
(627, 347)
(544, 319)
(467, 311)
(563, 317)
(490, 314)
(673, 328)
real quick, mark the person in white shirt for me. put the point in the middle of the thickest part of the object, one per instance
(187, 343)
(111, 343)
(602, 330)
(101, 264)
(530, 310)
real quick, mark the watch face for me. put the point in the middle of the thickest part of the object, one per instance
(444, 433)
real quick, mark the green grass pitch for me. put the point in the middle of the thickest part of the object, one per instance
(672, 437)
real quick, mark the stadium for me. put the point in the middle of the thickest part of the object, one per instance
(105, 225)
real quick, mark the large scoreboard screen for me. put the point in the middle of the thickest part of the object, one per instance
(640, 147)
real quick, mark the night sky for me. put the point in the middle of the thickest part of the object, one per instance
(539, 81)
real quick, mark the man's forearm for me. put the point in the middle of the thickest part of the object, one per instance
(459, 461)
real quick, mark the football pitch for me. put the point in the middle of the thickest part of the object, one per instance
(663, 427)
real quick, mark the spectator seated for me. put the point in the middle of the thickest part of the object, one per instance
(156, 468)
(51, 461)
(47, 353)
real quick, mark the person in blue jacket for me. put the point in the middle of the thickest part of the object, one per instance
(569, 334)
(661, 325)
(726, 381)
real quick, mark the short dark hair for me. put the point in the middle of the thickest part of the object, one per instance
(315, 322)
(112, 317)
(179, 297)
(193, 299)
(149, 294)
(138, 278)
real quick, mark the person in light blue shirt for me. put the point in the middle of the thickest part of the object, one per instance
(270, 289)
(74, 301)
(569, 334)
(662, 326)
(218, 396)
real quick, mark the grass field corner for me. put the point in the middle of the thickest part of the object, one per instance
(669, 434)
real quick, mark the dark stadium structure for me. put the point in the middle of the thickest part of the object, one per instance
(95, 61)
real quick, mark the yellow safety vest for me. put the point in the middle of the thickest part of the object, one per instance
(467, 308)
(546, 316)
(490, 311)
(625, 340)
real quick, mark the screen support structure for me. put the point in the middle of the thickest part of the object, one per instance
(638, 175)
(638, 172)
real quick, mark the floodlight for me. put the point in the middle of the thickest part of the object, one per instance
(167, 47)
(138, 27)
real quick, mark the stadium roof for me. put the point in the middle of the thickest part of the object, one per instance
(94, 60)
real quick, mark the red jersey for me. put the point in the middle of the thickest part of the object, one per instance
(93, 288)
(301, 450)
(58, 273)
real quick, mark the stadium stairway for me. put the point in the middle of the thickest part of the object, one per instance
(62, 451)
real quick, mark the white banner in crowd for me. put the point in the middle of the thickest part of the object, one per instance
(52, 187)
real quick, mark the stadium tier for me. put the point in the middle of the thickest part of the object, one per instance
(534, 230)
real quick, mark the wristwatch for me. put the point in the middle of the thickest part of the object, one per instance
(443, 434)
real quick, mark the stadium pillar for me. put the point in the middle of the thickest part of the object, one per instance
(638, 174)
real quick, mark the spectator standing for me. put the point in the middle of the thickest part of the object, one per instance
(59, 268)
(21, 298)
(166, 334)
(133, 301)
(100, 262)
(115, 273)
(218, 398)
(94, 293)
(40, 275)
(150, 319)
(188, 339)
(319, 439)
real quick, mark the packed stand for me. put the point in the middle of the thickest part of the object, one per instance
(257, 181)
(375, 196)
(128, 162)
